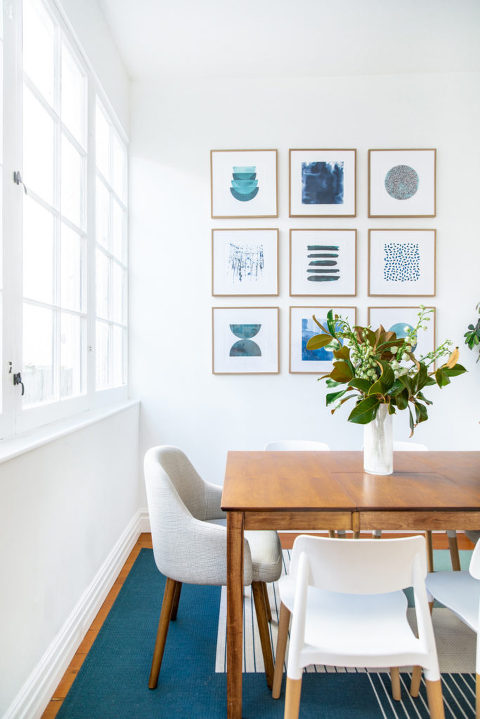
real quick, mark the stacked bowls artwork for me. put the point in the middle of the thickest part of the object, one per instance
(244, 184)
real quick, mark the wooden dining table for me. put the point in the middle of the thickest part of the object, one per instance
(310, 491)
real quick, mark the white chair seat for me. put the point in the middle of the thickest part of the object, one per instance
(265, 550)
(345, 627)
(458, 591)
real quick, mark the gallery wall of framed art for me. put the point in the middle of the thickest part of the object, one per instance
(322, 258)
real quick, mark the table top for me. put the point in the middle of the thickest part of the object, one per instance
(276, 481)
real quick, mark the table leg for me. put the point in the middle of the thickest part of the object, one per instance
(235, 523)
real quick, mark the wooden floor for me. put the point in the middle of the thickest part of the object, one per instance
(145, 541)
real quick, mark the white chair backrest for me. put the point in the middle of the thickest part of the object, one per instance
(296, 445)
(474, 568)
(365, 566)
(409, 447)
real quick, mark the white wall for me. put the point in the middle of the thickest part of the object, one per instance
(173, 128)
(63, 508)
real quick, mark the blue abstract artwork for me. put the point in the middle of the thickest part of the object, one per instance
(245, 346)
(401, 182)
(322, 263)
(244, 186)
(402, 329)
(322, 183)
(245, 262)
(309, 329)
(401, 262)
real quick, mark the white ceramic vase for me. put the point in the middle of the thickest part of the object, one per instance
(378, 443)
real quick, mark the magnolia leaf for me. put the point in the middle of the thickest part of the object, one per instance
(442, 377)
(420, 412)
(421, 396)
(362, 384)
(341, 372)
(331, 383)
(333, 396)
(319, 325)
(453, 359)
(342, 353)
(454, 371)
(401, 399)
(331, 323)
(365, 411)
(318, 341)
(412, 423)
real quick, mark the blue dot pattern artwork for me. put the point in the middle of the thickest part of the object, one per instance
(401, 182)
(402, 262)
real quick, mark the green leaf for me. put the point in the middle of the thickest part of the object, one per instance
(421, 412)
(454, 371)
(385, 381)
(442, 378)
(420, 379)
(364, 411)
(345, 399)
(421, 396)
(331, 383)
(341, 372)
(429, 381)
(331, 323)
(407, 383)
(391, 409)
(362, 384)
(318, 341)
(396, 388)
(333, 396)
(412, 423)
(342, 353)
(401, 399)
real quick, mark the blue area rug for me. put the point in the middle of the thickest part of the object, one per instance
(113, 680)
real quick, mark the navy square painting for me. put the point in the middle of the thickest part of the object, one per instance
(322, 183)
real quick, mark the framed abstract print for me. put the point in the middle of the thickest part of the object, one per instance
(245, 340)
(243, 183)
(323, 262)
(401, 319)
(244, 262)
(322, 183)
(302, 327)
(401, 263)
(401, 183)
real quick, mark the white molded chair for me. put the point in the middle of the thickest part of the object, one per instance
(460, 592)
(349, 610)
(190, 544)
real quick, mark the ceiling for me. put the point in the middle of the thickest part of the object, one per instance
(278, 38)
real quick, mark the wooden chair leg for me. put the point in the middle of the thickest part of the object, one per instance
(435, 699)
(176, 599)
(260, 609)
(267, 601)
(283, 625)
(453, 547)
(292, 698)
(428, 537)
(415, 683)
(396, 690)
(477, 697)
(163, 623)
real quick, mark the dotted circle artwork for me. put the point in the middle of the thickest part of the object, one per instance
(401, 182)
(401, 262)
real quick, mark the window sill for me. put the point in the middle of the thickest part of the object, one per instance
(10, 448)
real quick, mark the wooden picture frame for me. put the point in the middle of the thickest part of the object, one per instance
(243, 183)
(322, 182)
(424, 338)
(299, 335)
(334, 248)
(245, 261)
(257, 347)
(402, 182)
(406, 261)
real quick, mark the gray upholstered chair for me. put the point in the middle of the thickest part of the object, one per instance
(190, 544)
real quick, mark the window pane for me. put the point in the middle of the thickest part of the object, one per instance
(72, 183)
(102, 345)
(103, 284)
(102, 144)
(37, 354)
(102, 210)
(73, 96)
(37, 147)
(119, 222)
(118, 356)
(71, 355)
(118, 293)
(119, 166)
(71, 270)
(37, 252)
(39, 47)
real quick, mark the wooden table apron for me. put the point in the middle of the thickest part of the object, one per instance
(328, 490)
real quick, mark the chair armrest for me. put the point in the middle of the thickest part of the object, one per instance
(213, 498)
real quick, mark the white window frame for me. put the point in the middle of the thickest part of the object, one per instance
(14, 419)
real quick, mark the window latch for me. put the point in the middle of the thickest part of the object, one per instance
(17, 178)
(17, 379)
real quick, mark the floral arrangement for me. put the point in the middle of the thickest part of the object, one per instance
(472, 336)
(378, 368)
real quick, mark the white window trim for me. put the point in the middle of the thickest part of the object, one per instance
(14, 420)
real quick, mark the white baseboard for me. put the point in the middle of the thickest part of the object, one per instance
(37, 691)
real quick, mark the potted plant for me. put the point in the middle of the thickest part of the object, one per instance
(472, 335)
(380, 372)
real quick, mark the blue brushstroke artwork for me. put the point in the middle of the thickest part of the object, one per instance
(401, 182)
(401, 262)
(322, 183)
(245, 262)
(244, 184)
(323, 263)
(402, 329)
(309, 329)
(245, 347)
